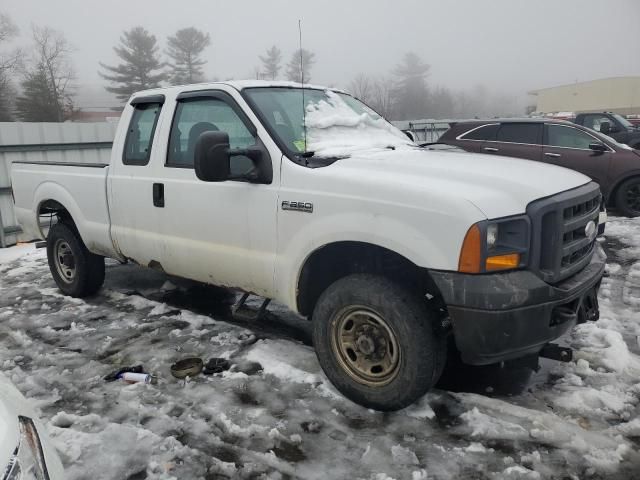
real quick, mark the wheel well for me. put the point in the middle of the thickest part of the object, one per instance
(614, 190)
(337, 260)
(53, 207)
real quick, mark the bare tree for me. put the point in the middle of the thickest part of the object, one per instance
(382, 96)
(9, 61)
(362, 87)
(49, 74)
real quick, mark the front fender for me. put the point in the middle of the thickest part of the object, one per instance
(411, 241)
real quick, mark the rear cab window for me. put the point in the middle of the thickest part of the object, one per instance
(141, 131)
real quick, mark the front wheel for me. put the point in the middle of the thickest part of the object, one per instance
(628, 197)
(76, 270)
(378, 343)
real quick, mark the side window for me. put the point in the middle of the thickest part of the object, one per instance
(486, 132)
(594, 121)
(137, 146)
(195, 116)
(520, 133)
(568, 137)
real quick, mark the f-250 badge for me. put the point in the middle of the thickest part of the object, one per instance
(298, 206)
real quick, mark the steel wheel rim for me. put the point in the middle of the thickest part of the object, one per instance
(64, 261)
(365, 345)
(632, 197)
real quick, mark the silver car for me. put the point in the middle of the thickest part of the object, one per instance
(25, 450)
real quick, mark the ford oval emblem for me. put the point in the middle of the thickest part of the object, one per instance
(590, 230)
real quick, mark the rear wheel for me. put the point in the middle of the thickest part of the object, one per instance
(628, 197)
(377, 342)
(76, 270)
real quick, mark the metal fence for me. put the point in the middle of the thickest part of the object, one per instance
(55, 142)
(424, 131)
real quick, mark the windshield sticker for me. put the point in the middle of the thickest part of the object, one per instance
(300, 145)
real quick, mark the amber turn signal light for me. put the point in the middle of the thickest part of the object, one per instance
(471, 252)
(503, 262)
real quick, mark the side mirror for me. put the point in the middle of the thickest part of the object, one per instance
(598, 147)
(212, 157)
(605, 127)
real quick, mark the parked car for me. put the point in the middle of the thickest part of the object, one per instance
(616, 167)
(25, 450)
(613, 125)
(395, 252)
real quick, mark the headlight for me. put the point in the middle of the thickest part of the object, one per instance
(500, 244)
(27, 461)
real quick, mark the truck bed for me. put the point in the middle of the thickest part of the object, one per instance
(79, 187)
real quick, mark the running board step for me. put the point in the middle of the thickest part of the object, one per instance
(241, 311)
(554, 351)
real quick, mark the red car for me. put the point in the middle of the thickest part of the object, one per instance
(614, 166)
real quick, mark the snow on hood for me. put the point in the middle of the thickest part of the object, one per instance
(334, 129)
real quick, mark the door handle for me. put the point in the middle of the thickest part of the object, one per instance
(554, 155)
(158, 195)
(490, 149)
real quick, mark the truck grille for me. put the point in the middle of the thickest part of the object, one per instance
(560, 245)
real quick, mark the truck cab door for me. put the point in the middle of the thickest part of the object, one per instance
(569, 147)
(133, 217)
(223, 233)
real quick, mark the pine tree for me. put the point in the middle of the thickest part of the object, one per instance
(141, 67)
(37, 103)
(184, 49)
(294, 72)
(411, 93)
(271, 63)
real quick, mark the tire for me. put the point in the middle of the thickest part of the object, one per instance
(76, 271)
(377, 342)
(628, 197)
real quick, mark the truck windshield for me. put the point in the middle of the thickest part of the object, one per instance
(337, 124)
(623, 121)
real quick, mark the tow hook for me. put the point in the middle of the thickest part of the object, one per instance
(553, 351)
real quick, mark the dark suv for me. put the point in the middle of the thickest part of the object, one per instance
(614, 166)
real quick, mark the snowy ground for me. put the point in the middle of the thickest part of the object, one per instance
(281, 418)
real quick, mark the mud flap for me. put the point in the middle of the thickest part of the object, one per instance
(589, 309)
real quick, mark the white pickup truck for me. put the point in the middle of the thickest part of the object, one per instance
(396, 253)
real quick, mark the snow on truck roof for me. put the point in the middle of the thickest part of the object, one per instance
(237, 84)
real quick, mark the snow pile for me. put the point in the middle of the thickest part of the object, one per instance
(275, 415)
(334, 129)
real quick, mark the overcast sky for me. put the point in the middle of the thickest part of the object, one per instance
(508, 45)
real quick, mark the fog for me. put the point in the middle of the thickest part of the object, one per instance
(510, 46)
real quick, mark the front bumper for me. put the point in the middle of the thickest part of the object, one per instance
(502, 316)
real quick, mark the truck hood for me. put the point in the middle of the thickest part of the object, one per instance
(498, 186)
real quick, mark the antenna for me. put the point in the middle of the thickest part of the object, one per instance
(304, 110)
